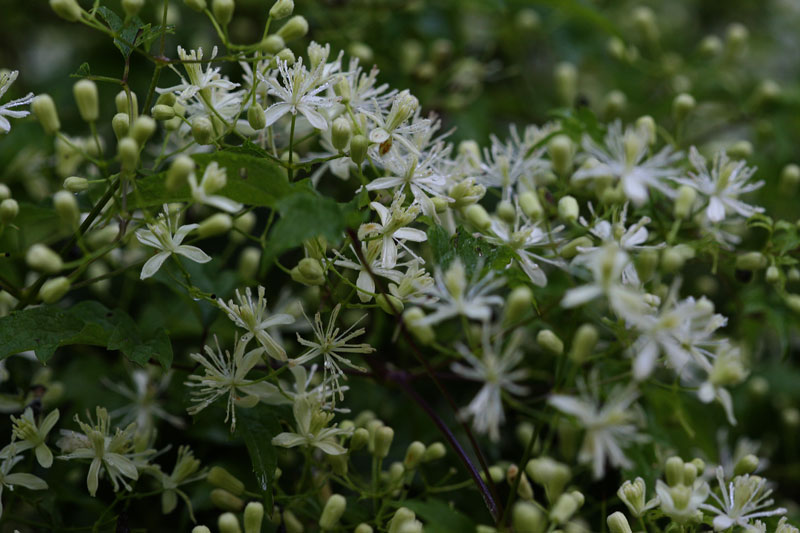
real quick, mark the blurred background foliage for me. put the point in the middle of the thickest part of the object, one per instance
(481, 65)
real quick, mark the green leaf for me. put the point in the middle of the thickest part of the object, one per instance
(439, 517)
(257, 426)
(126, 32)
(47, 327)
(471, 251)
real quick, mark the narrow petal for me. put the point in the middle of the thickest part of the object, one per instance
(153, 264)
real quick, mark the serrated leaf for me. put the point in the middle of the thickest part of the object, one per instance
(257, 426)
(125, 33)
(470, 250)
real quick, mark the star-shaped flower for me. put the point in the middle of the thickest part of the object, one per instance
(162, 236)
(5, 110)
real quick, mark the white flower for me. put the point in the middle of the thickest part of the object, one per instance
(214, 179)
(31, 435)
(681, 502)
(224, 374)
(312, 429)
(200, 82)
(365, 283)
(363, 93)
(6, 80)
(185, 471)
(395, 126)
(160, 236)
(624, 157)
(507, 164)
(392, 230)
(744, 498)
(29, 481)
(298, 92)
(496, 369)
(144, 398)
(253, 316)
(723, 185)
(330, 344)
(454, 296)
(610, 426)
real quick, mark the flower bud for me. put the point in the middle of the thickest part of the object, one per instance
(253, 516)
(341, 133)
(518, 303)
(402, 516)
(551, 474)
(423, 333)
(359, 439)
(200, 529)
(525, 516)
(44, 108)
(530, 205)
(9, 208)
(163, 112)
(295, 28)
(506, 212)
(272, 44)
(791, 417)
(568, 209)
(773, 275)
(524, 488)
(256, 117)
(391, 305)
(142, 129)
(673, 259)
(287, 56)
(178, 173)
(338, 463)
(414, 455)
(746, 465)
(281, 9)
(128, 151)
(684, 201)
(790, 177)
(740, 150)
(76, 184)
(614, 103)
(203, 130)
(5, 192)
(434, 452)
(40, 257)
(550, 342)
(566, 83)
(68, 10)
(645, 21)
(101, 237)
(125, 106)
(682, 105)
(710, 46)
(583, 343)
(66, 207)
(216, 224)
(85, 92)
(617, 523)
(466, 192)
(228, 523)
(673, 471)
(244, 223)
(226, 501)
(633, 495)
(197, 5)
(751, 261)
(478, 217)
(358, 149)
(54, 289)
(132, 7)
(565, 507)
(219, 477)
(223, 11)
(332, 512)
(570, 250)
(793, 302)
(383, 441)
(308, 271)
(293, 525)
(363, 528)
(121, 125)
(561, 149)
(736, 38)
(647, 126)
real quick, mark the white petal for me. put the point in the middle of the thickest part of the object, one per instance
(194, 253)
(314, 118)
(153, 264)
(276, 111)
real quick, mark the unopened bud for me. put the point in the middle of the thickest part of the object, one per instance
(647, 126)
(292, 523)
(121, 125)
(790, 177)
(281, 9)
(332, 512)
(197, 5)
(525, 516)
(128, 151)
(124, 105)
(773, 275)
(295, 28)
(740, 150)
(518, 303)
(402, 516)
(142, 129)
(478, 217)
(76, 184)
(256, 117)
(308, 271)
(272, 44)
(566, 83)
(40, 257)
(684, 201)
(550, 342)
(179, 171)
(219, 477)
(253, 516)
(434, 452)
(751, 261)
(583, 343)
(223, 11)
(85, 92)
(359, 439)
(414, 455)
(561, 149)
(793, 302)
(163, 112)
(645, 21)
(216, 224)
(66, 207)
(633, 495)
(551, 474)
(226, 501)
(568, 209)
(68, 10)
(9, 208)
(421, 332)
(565, 507)
(614, 103)
(682, 105)
(203, 130)
(746, 465)
(530, 205)
(570, 250)
(617, 523)
(710, 46)
(390, 304)
(673, 471)
(736, 38)
(44, 108)
(506, 212)
(228, 523)
(358, 149)
(341, 133)
(200, 529)
(363, 528)
(54, 289)
(383, 441)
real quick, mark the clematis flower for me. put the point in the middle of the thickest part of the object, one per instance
(253, 316)
(162, 236)
(313, 429)
(5, 110)
(32, 435)
(743, 498)
(11, 481)
(214, 179)
(298, 92)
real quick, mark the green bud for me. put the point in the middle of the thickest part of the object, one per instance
(359, 439)
(272, 44)
(710, 46)
(527, 20)
(396, 472)
(645, 21)
(223, 11)
(617, 523)
(256, 117)
(583, 343)
(530, 205)
(736, 38)
(383, 441)
(9, 208)
(506, 212)
(358, 149)
(281, 9)
(123, 106)
(132, 7)
(773, 274)
(673, 259)
(287, 56)
(44, 108)
(565, 507)
(758, 386)
(102, 237)
(647, 126)
(673, 471)
(614, 104)
(309, 271)
(40, 257)
(253, 516)
(67, 208)
(570, 250)
(525, 516)
(566, 83)
(226, 501)
(768, 91)
(391, 305)
(142, 129)
(200, 529)
(332, 512)
(466, 192)
(751, 261)
(791, 417)
(197, 5)
(68, 10)
(163, 112)
(434, 452)
(402, 516)
(244, 223)
(414, 455)
(616, 48)
(689, 474)
(228, 523)
(682, 105)
(363, 528)
(568, 209)
(740, 150)
(550, 342)
(216, 224)
(203, 130)
(76, 184)
(632, 495)
(790, 177)
(478, 217)
(121, 125)
(54, 289)
(221, 478)
(179, 171)
(518, 303)
(294, 28)
(5, 192)
(684, 201)
(85, 92)
(746, 465)
(293, 525)
(341, 132)
(423, 333)
(561, 149)
(128, 151)
(551, 474)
